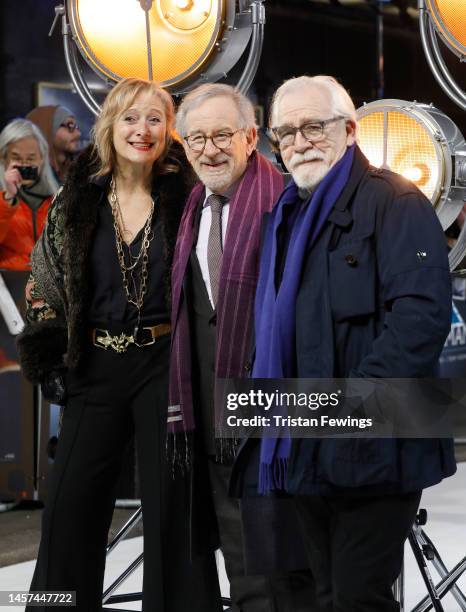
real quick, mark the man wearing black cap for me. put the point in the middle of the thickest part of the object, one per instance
(59, 126)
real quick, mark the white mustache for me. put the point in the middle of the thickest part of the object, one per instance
(309, 155)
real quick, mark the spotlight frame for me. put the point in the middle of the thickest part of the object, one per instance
(225, 18)
(449, 197)
(442, 30)
(418, 113)
(241, 25)
(429, 28)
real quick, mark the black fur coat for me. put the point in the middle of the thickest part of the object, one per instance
(56, 334)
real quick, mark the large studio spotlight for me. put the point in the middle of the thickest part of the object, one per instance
(179, 43)
(445, 19)
(425, 146)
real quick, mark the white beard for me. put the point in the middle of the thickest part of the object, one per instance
(308, 176)
(304, 180)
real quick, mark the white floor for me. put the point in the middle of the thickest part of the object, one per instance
(446, 505)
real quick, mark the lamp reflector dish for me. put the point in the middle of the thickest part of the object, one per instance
(398, 141)
(449, 17)
(112, 36)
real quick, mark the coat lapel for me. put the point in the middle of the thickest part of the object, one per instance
(340, 214)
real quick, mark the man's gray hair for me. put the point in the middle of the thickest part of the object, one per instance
(17, 130)
(341, 101)
(201, 94)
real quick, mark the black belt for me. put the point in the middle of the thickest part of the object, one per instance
(102, 338)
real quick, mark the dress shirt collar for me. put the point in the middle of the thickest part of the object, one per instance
(230, 192)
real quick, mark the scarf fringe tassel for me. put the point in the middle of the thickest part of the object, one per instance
(179, 451)
(272, 476)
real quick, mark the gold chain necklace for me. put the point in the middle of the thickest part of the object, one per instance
(127, 271)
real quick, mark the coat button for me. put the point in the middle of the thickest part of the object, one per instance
(351, 260)
(247, 366)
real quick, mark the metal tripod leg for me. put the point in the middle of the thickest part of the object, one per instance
(421, 561)
(448, 578)
(107, 597)
(119, 581)
(127, 527)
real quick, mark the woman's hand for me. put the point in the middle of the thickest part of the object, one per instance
(13, 181)
(53, 387)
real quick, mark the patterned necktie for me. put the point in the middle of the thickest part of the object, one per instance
(214, 245)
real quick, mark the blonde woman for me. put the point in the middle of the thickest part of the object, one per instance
(97, 339)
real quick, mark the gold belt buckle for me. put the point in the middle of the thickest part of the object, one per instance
(117, 343)
(155, 332)
(150, 341)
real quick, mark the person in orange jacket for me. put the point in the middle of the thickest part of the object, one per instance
(27, 186)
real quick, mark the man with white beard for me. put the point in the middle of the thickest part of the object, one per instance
(354, 282)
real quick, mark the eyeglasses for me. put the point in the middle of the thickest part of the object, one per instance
(71, 126)
(222, 140)
(312, 131)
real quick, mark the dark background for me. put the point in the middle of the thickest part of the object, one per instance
(302, 37)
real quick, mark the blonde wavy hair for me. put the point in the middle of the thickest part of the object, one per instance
(119, 99)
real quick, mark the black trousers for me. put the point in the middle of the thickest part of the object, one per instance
(355, 548)
(111, 398)
(278, 592)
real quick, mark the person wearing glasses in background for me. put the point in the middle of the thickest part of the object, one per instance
(354, 282)
(58, 124)
(97, 338)
(214, 278)
(27, 186)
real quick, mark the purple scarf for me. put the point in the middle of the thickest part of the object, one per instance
(275, 313)
(258, 190)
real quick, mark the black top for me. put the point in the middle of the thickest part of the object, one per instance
(109, 306)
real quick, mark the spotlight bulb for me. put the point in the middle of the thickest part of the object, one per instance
(184, 5)
(418, 174)
(186, 14)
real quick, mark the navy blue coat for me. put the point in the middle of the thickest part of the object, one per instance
(374, 301)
